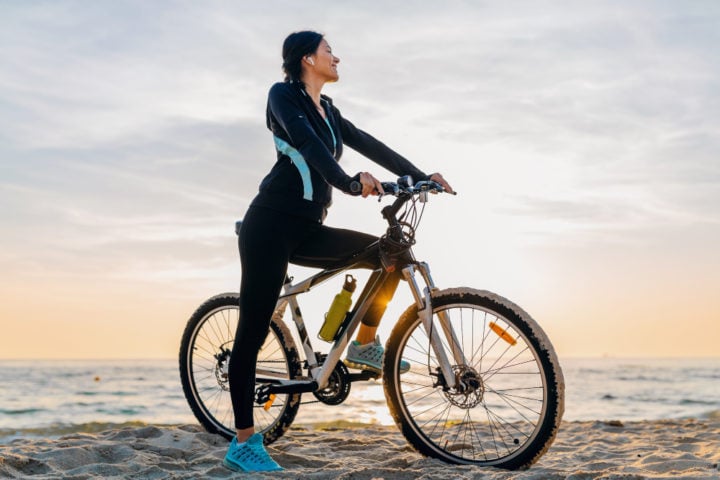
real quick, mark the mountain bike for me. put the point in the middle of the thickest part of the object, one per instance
(484, 387)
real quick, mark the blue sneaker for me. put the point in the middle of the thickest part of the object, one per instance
(250, 456)
(369, 357)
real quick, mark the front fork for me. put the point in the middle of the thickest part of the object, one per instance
(423, 299)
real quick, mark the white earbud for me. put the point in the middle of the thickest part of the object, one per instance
(310, 61)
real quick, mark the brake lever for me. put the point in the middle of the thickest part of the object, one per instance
(431, 186)
(389, 188)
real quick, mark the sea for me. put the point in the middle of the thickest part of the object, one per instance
(44, 398)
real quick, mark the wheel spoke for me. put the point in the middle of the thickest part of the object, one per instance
(495, 412)
(208, 342)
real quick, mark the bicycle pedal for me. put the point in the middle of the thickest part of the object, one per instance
(363, 367)
(262, 395)
(364, 376)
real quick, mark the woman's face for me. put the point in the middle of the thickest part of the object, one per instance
(324, 63)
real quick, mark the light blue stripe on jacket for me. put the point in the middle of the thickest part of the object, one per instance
(297, 159)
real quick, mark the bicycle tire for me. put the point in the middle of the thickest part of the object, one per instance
(511, 416)
(204, 352)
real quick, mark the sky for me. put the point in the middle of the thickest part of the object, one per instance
(583, 139)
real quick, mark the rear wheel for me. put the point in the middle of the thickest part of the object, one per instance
(204, 357)
(508, 404)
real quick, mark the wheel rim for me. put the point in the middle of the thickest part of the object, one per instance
(502, 407)
(208, 363)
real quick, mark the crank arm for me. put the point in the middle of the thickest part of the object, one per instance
(263, 393)
(364, 376)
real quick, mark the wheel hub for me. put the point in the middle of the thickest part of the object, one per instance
(469, 390)
(222, 366)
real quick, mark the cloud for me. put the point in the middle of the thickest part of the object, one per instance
(79, 74)
(118, 115)
(160, 201)
(132, 133)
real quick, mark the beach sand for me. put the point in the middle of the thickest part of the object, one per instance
(677, 449)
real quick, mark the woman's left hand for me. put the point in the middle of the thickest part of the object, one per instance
(437, 177)
(370, 185)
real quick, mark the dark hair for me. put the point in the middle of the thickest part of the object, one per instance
(295, 47)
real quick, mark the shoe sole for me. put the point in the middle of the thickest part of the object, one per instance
(238, 468)
(362, 366)
(233, 467)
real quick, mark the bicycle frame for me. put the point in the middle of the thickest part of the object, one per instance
(320, 374)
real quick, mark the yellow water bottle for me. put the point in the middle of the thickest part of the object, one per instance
(338, 309)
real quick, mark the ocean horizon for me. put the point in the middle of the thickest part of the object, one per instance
(50, 398)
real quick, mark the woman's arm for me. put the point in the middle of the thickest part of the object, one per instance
(285, 109)
(383, 155)
(375, 150)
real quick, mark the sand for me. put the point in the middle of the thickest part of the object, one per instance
(677, 449)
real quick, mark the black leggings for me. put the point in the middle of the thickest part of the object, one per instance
(268, 241)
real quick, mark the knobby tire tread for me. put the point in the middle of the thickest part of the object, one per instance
(278, 327)
(537, 339)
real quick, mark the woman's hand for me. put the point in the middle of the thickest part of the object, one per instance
(436, 177)
(370, 185)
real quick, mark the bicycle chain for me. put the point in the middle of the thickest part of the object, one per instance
(301, 403)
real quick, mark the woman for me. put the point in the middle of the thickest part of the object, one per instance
(285, 222)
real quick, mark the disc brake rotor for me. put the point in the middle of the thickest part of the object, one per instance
(470, 391)
(221, 368)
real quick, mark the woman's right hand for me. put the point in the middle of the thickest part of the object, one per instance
(437, 177)
(370, 185)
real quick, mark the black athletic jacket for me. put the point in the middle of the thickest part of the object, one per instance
(308, 150)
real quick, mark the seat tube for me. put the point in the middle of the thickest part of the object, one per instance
(424, 305)
(302, 332)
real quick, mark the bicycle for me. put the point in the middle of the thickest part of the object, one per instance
(485, 386)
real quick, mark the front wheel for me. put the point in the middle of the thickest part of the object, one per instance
(205, 352)
(509, 399)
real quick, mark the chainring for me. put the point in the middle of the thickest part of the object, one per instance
(338, 387)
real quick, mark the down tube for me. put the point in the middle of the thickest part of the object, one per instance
(375, 282)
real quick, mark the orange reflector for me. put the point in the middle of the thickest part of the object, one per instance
(502, 333)
(269, 403)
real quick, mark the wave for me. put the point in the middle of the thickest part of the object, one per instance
(21, 411)
(128, 410)
(118, 393)
(645, 378)
(690, 401)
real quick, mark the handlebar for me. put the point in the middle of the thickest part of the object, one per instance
(404, 190)
(398, 189)
(403, 187)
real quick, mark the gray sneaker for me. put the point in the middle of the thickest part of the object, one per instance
(369, 357)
